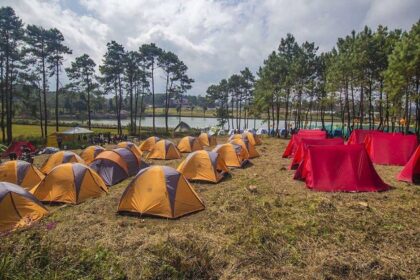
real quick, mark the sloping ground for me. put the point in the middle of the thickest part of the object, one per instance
(280, 230)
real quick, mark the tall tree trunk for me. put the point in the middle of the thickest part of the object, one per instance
(277, 114)
(361, 111)
(132, 126)
(40, 112)
(166, 104)
(57, 80)
(268, 120)
(153, 97)
(371, 119)
(347, 108)
(44, 93)
(2, 92)
(381, 117)
(10, 106)
(407, 109)
(88, 103)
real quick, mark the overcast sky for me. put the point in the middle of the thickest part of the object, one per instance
(214, 38)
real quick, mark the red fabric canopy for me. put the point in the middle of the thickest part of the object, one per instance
(305, 143)
(345, 168)
(357, 136)
(296, 139)
(411, 171)
(16, 147)
(390, 149)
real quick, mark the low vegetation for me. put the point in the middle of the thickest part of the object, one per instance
(279, 230)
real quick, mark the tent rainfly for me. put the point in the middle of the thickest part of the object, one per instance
(182, 127)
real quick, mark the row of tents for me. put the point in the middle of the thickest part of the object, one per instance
(333, 165)
(66, 177)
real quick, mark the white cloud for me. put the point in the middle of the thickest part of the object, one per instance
(215, 38)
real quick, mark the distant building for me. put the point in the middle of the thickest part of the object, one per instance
(176, 102)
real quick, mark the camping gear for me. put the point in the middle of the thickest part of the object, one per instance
(160, 191)
(232, 154)
(164, 149)
(303, 148)
(59, 158)
(21, 173)
(132, 147)
(411, 171)
(245, 144)
(18, 207)
(390, 149)
(49, 151)
(70, 183)
(18, 147)
(182, 127)
(189, 144)
(89, 154)
(296, 138)
(344, 168)
(207, 139)
(147, 145)
(117, 165)
(204, 166)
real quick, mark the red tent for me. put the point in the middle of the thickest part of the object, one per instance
(390, 149)
(411, 171)
(17, 148)
(345, 168)
(305, 143)
(357, 136)
(296, 139)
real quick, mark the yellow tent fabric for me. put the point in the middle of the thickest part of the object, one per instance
(247, 146)
(21, 173)
(89, 154)
(233, 155)
(252, 138)
(164, 149)
(189, 144)
(132, 147)
(147, 145)
(59, 158)
(70, 183)
(207, 140)
(18, 207)
(204, 166)
(160, 191)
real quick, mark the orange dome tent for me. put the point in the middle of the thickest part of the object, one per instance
(232, 154)
(59, 158)
(147, 145)
(21, 173)
(189, 144)
(164, 149)
(89, 154)
(70, 183)
(203, 165)
(117, 165)
(160, 191)
(207, 140)
(18, 207)
(245, 144)
(132, 147)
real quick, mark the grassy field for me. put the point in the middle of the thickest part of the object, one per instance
(25, 130)
(280, 231)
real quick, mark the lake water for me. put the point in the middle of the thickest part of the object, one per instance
(194, 122)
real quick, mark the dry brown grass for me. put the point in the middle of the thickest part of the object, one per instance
(280, 231)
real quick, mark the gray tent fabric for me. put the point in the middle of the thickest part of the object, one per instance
(6, 188)
(110, 172)
(130, 159)
(22, 168)
(172, 178)
(67, 156)
(182, 127)
(79, 171)
(76, 130)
